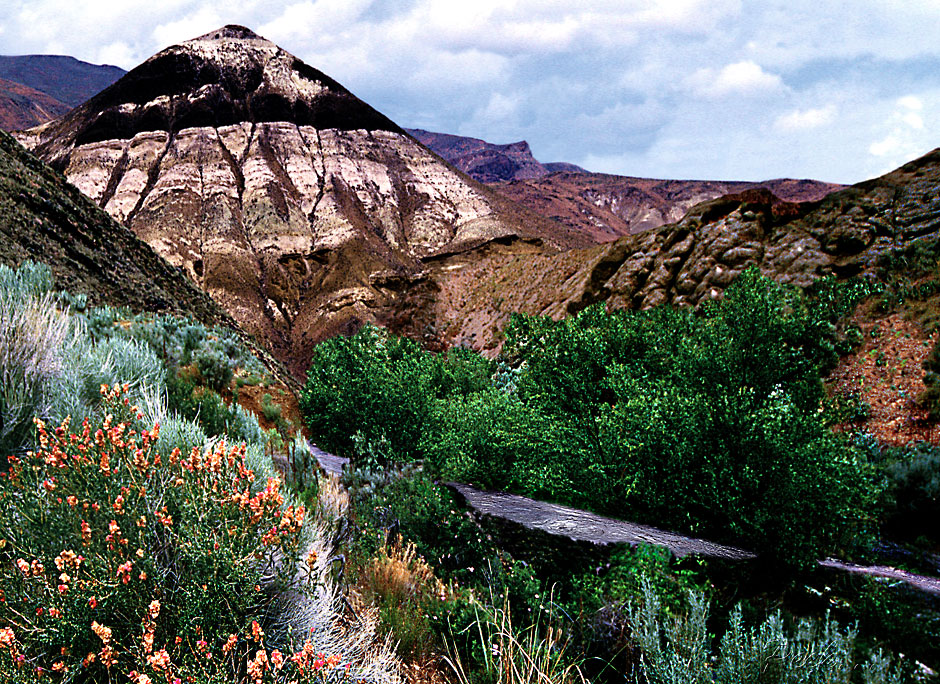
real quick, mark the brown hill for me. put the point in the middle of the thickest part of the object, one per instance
(606, 207)
(66, 79)
(298, 207)
(487, 162)
(846, 233)
(600, 206)
(44, 218)
(22, 107)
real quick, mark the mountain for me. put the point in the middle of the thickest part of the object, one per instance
(600, 206)
(66, 79)
(44, 218)
(851, 231)
(22, 106)
(606, 207)
(298, 207)
(486, 162)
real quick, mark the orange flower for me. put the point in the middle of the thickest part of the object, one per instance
(230, 644)
(124, 572)
(104, 633)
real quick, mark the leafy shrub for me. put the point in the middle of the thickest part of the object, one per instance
(215, 368)
(707, 422)
(373, 383)
(912, 491)
(704, 422)
(130, 563)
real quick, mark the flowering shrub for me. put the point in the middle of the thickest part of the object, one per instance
(117, 563)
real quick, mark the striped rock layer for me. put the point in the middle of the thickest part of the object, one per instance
(298, 207)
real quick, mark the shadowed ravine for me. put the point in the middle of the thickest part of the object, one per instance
(596, 529)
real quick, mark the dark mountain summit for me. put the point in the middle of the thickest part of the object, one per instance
(298, 207)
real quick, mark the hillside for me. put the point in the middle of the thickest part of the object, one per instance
(44, 218)
(22, 107)
(298, 207)
(606, 206)
(846, 233)
(66, 79)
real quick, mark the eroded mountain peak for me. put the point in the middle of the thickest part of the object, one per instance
(298, 207)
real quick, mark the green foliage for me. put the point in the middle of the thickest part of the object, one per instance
(216, 370)
(98, 534)
(383, 387)
(705, 422)
(912, 492)
(676, 648)
(422, 512)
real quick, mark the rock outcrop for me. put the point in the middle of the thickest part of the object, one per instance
(298, 207)
(488, 162)
(606, 207)
(43, 218)
(849, 232)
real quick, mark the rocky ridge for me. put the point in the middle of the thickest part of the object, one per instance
(849, 232)
(487, 162)
(43, 218)
(298, 207)
(607, 207)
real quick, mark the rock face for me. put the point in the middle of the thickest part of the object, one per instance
(606, 207)
(849, 232)
(486, 162)
(43, 218)
(298, 207)
(22, 106)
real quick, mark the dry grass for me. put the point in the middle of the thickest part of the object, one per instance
(534, 655)
(400, 585)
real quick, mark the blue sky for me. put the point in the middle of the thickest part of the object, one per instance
(718, 89)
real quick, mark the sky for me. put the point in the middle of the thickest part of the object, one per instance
(710, 89)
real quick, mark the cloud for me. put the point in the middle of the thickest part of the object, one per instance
(805, 119)
(739, 78)
(906, 135)
(685, 88)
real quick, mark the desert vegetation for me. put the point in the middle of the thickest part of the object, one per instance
(714, 422)
(145, 535)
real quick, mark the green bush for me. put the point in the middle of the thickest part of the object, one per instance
(676, 648)
(373, 383)
(215, 368)
(125, 562)
(912, 492)
(706, 422)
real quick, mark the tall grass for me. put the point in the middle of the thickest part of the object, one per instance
(536, 654)
(33, 332)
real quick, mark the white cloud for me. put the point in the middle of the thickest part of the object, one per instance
(684, 88)
(745, 77)
(805, 119)
(203, 20)
(906, 136)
